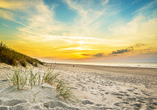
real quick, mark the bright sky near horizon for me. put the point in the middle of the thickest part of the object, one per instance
(81, 30)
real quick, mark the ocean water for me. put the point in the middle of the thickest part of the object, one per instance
(142, 65)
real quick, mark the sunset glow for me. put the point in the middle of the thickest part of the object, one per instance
(81, 30)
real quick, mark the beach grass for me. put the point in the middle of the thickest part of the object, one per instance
(35, 94)
(49, 76)
(12, 57)
(64, 92)
(55, 79)
(32, 79)
(20, 78)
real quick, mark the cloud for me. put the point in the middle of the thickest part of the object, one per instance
(5, 25)
(99, 55)
(88, 19)
(39, 18)
(86, 54)
(104, 2)
(130, 48)
(10, 16)
(6, 14)
(151, 5)
(138, 29)
(16, 4)
(41, 24)
(8, 9)
(142, 25)
(135, 1)
(121, 51)
(139, 45)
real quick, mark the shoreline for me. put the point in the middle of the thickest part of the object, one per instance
(105, 65)
(110, 68)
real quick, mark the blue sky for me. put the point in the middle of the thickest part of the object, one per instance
(81, 30)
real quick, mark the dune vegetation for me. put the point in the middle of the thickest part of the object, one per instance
(12, 57)
(20, 78)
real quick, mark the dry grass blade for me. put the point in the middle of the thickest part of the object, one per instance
(39, 79)
(64, 92)
(35, 94)
(50, 77)
(32, 79)
(18, 79)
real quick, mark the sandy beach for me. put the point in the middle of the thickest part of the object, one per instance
(96, 87)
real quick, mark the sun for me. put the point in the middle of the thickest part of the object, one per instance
(80, 42)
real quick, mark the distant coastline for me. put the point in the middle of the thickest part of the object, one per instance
(134, 65)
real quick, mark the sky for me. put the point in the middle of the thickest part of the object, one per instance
(81, 30)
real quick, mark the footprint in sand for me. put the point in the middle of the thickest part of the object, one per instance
(118, 94)
(87, 102)
(13, 102)
(58, 106)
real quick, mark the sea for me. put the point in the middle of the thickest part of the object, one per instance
(140, 65)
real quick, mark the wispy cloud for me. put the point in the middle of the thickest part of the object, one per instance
(140, 28)
(146, 8)
(86, 17)
(10, 16)
(135, 1)
(99, 55)
(6, 14)
(42, 26)
(5, 25)
(17, 4)
(138, 45)
(104, 2)
(40, 20)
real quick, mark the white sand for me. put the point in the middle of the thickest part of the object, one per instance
(96, 89)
